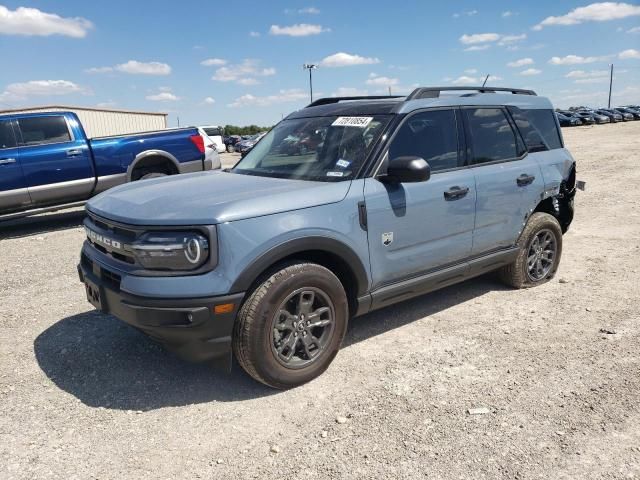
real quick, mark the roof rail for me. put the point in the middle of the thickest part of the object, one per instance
(434, 92)
(330, 100)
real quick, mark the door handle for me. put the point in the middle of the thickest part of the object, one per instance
(456, 193)
(74, 152)
(6, 161)
(524, 180)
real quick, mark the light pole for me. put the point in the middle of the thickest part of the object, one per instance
(310, 66)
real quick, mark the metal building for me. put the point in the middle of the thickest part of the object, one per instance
(99, 122)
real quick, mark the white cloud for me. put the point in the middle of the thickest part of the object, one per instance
(510, 39)
(254, 34)
(596, 12)
(309, 11)
(530, 71)
(31, 21)
(283, 96)
(134, 67)
(465, 80)
(467, 13)
(381, 81)
(634, 30)
(247, 81)
(209, 101)
(298, 30)
(213, 62)
(507, 14)
(590, 74)
(574, 60)
(520, 63)
(41, 88)
(479, 38)
(163, 96)
(109, 104)
(249, 68)
(627, 54)
(476, 48)
(349, 92)
(471, 71)
(342, 59)
(592, 80)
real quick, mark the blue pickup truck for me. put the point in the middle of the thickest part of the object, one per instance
(48, 163)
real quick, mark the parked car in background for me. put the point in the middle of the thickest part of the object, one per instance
(215, 133)
(48, 163)
(585, 118)
(270, 259)
(600, 119)
(231, 142)
(246, 145)
(210, 150)
(613, 116)
(566, 121)
(629, 113)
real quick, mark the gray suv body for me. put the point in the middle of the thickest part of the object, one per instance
(346, 206)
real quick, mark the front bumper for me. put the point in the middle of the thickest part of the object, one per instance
(191, 328)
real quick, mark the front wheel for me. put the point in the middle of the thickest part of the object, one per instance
(291, 326)
(540, 246)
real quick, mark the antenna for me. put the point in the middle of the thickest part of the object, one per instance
(485, 80)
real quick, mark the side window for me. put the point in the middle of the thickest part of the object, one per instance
(7, 139)
(430, 135)
(43, 130)
(491, 136)
(538, 127)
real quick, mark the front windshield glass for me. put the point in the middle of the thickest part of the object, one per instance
(318, 148)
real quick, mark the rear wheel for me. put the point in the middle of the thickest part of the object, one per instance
(153, 175)
(231, 148)
(540, 249)
(291, 326)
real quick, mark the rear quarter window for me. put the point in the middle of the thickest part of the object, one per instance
(538, 128)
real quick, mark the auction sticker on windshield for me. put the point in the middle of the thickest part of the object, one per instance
(361, 122)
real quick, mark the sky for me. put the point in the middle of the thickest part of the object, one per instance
(218, 63)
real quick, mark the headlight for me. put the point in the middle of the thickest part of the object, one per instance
(171, 250)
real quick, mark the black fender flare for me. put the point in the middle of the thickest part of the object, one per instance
(151, 153)
(329, 245)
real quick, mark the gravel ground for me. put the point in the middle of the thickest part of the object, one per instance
(555, 370)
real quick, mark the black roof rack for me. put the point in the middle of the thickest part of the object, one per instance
(330, 100)
(434, 92)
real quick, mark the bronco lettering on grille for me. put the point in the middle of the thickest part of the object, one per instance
(102, 240)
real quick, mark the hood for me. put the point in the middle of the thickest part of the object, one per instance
(207, 198)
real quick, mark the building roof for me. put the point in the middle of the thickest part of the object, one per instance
(75, 107)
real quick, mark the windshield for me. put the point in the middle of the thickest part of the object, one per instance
(318, 148)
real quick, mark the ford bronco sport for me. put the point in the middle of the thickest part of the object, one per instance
(345, 206)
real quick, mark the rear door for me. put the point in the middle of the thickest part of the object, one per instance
(508, 181)
(415, 228)
(57, 165)
(13, 188)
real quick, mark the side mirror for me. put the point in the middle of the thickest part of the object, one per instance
(406, 170)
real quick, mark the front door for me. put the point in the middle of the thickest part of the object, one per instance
(57, 166)
(415, 228)
(13, 188)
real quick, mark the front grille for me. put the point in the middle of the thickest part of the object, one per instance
(109, 278)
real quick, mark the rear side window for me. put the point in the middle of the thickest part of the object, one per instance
(7, 139)
(429, 135)
(538, 128)
(212, 132)
(491, 136)
(42, 130)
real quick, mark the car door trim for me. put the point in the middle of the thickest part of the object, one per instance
(441, 277)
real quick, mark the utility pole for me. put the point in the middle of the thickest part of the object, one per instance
(485, 80)
(310, 66)
(389, 90)
(610, 85)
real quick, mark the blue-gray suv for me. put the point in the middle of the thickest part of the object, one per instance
(346, 206)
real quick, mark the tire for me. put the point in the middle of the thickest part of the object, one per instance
(261, 338)
(523, 274)
(153, 175)
(230, 149)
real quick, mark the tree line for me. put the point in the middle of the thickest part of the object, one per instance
(246, 130)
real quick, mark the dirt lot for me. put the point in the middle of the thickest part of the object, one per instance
(84, 396)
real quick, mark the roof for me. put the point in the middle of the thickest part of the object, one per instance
(424, 97)
(75, 107)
